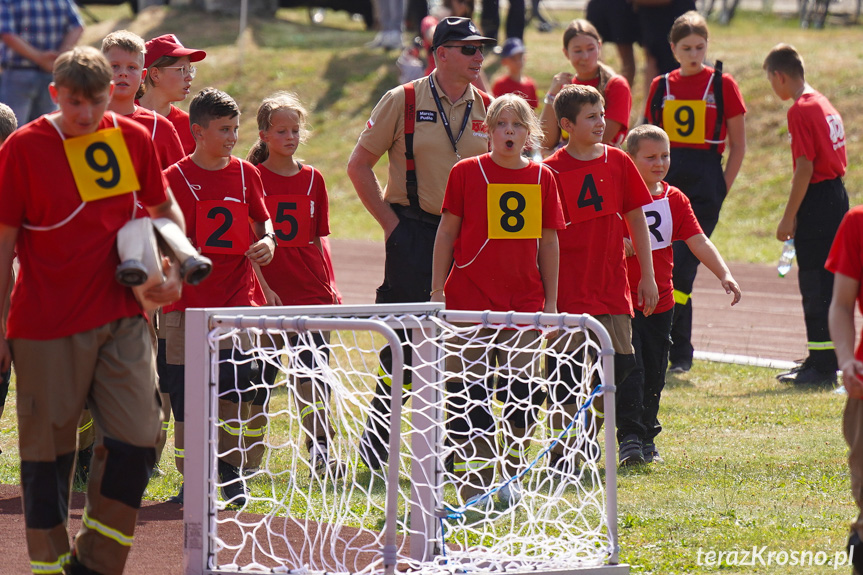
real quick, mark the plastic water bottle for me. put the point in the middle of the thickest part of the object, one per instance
(788, 253)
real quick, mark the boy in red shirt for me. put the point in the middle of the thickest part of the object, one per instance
(600, 188)
(514, 82)
(68, 308)
(219, 195)
(669, 218)
(846, 262)
(815, 207)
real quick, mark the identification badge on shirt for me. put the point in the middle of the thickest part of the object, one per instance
(292, 219)
(101, 164)
(684, 120)
(514, 211)
(659, 223)
(222, 227)
(586, 191)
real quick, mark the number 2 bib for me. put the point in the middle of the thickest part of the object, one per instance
(101, 164)
(222, 227)
(514, 211)
(586, 191)
(292, 219)
(684, 120)
(659, 223)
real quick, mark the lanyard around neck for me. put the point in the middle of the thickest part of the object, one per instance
(453, 140)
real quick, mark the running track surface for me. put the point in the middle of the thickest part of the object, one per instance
(766, 324)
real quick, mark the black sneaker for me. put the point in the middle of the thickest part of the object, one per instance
(178, 498)
(854, 548)
(650, 453)
(800, 364)
(680, 366)
(808, 375)
(373, 452)
(320, 463)
(75, 567)
(234, 490)
(631, 451)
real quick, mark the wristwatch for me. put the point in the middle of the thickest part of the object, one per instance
(272, 236)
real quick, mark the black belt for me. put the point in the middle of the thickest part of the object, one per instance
(413, 213)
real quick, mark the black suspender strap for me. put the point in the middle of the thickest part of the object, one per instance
(410, 166)
(720, 105)
(656, 103)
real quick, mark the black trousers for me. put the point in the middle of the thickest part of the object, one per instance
(638, 395)
(514, 19)
(407, 278)
(818, 218)
(698, 174)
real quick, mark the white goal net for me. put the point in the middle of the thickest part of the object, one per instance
(495, 419)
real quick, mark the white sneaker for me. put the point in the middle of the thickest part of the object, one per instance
(391, 40)
(510, 493)
(377, 42)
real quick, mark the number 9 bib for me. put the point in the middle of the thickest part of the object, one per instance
(222, 227)
(684, 120)
(292, 219)
(101, 164)
(514, 211)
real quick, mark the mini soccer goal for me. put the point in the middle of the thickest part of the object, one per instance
(380, 439)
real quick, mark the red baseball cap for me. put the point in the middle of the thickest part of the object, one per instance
(169, 45)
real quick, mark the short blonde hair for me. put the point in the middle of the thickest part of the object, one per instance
(522, 111)
(83, 70)
(644, 132)
(8, 121)
(124, 40)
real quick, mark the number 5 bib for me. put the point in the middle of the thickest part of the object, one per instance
(292, 219)
(222, 227)
(101, 164)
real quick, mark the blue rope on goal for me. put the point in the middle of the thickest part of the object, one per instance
(454, 513)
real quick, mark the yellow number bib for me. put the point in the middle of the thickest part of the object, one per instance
(514, 211)
(684, 120)
(101, 164)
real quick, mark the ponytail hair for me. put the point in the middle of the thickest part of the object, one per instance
(272, 104)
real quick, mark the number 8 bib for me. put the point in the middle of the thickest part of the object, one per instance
(101, 164)
(514, 211)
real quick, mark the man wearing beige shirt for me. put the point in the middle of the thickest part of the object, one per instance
(449, 120)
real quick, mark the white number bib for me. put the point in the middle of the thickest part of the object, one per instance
(659, 224)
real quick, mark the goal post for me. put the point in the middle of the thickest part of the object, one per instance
(484, 476)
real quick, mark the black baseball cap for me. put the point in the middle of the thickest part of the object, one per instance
(455, 29)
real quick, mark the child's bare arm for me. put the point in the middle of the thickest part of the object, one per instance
(648, 294)
(841, 319)
(8, 235)
(701, 246)
(272, 297)
(261, 252)
(549, 267)
(447, 232)
(799, 184)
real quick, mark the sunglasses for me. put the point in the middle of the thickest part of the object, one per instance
(469, 50)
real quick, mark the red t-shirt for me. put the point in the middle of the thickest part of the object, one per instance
(693, 88)
(683, 225)
(618, 101)
(526, 89)
(180, 119)
(162, 132)
(817, 133)
(595, 196)
(846, 255)
(232, 283)
(299, 274)
(66, 284)
(495, 274)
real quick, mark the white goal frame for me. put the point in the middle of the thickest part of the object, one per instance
(201, 417)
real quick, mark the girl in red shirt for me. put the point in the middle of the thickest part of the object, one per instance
(582, 46)
(296, 197)
(702, 112)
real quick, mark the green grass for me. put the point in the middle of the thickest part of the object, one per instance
(748, 463)
(340, 81)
